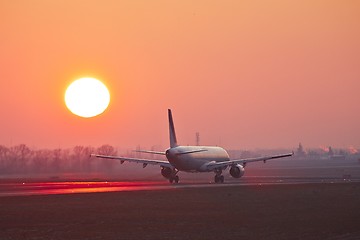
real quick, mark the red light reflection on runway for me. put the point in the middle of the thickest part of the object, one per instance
(47, 188)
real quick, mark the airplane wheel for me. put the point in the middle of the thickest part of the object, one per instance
(176, 179)
(221, 178)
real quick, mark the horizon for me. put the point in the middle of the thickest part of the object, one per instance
(132, 150)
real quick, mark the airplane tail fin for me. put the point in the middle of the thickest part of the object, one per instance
(173, 141)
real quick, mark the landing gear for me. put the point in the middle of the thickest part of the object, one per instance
(218, 177)
(173, 179)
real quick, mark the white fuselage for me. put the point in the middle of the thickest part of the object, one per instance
(194, 158)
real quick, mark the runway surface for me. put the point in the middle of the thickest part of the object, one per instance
(37, 187)
(278, 208)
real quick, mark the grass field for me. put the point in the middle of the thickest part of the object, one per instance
(304, 211)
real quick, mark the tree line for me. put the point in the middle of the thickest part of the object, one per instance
(21, 159)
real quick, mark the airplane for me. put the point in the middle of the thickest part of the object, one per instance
(193, 159)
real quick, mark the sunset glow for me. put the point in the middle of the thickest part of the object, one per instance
(244, 74)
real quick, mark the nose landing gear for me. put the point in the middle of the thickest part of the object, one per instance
(218, 177)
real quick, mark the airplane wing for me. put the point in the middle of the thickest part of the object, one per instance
(215, 165)
(152, 152)
(145, 162)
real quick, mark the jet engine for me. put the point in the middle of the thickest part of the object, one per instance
(166, 172)
(237, 171)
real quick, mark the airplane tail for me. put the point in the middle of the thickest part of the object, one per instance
(173, 141)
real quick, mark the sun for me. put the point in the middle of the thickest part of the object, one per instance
(87, 97)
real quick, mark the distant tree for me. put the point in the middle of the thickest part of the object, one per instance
(246, 154)
(343, 152)
(4, 159)
(56, 162)
(40, 160)
(66, 160)
(81, 160)
(86, 159)
(313, 154)
(331, 152)
(106, 149)
(20, 156)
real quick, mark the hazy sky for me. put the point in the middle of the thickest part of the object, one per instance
(245, 74)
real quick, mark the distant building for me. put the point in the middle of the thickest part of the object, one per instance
(300, 151)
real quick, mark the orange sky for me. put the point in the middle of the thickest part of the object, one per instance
(245, 74)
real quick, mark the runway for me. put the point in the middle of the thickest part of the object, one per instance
(37, 187)
(246, 208)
